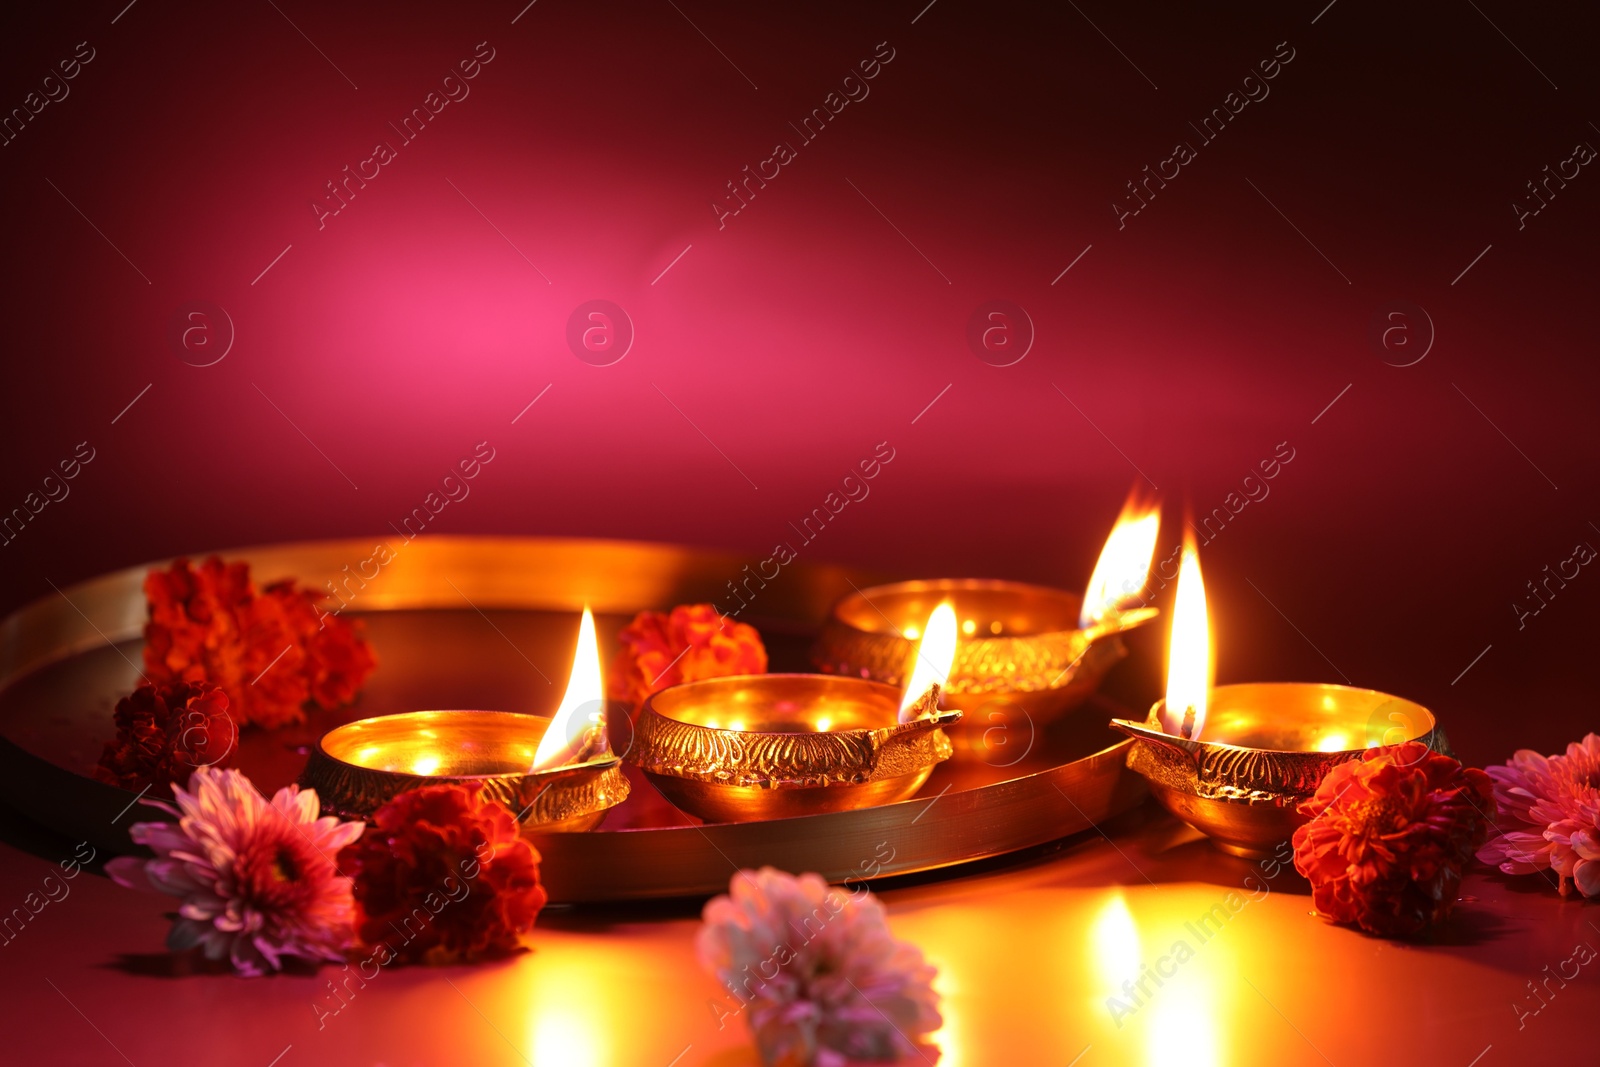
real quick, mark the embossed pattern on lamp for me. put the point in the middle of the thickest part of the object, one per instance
(1235, 761)
(555, 774)
(776, 745)
(1042, 649)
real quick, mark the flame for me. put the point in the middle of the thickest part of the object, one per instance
(1124, 564)
(565, 740)
(933, 657)
(1189, 652)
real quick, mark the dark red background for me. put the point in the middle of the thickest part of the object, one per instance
(1196, 338)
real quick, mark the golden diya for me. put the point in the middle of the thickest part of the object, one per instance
(1039, 649)
(1235, 761)
(769, 746)
(555, 774)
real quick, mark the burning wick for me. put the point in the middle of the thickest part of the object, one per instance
(1188, 652)
(578, 730)
(931, 660)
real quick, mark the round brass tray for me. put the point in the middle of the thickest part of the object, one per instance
(488, 622)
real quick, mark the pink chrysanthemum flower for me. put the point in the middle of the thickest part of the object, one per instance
(1549, 815)
(256, 878)
(816, 971)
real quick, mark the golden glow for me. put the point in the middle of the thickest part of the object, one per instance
(585, 696)
(823, 723)
(912, 633)
(933, 656)
(948, 1038)
(1124, 564)
(737, 724)
(969, 627)
(1337, 741)
(572, 1012)
(425, 764)
(995, 627)
(1182, 1028)
(1116, 943)
(1189, 651)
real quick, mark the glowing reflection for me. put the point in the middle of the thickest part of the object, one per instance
(969, 627)
(947, 1039)
(1182, 1030)
(1337, 741)
(425, 765)
(823, 723)
(1116, 943)
(570, 1025)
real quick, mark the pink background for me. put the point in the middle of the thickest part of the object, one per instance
(1191, 342)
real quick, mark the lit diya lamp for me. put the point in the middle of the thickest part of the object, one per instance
(767, 746)
(1040, 649)
(555, 774)
(1235, 761)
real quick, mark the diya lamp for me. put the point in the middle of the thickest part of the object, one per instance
(769, 746)
(555, 774)
(1040, 649)
(1235, 761)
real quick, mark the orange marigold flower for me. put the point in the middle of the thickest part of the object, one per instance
(1389, 835)
(691, 642)
(270, 650)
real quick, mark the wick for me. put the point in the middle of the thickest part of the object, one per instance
(1188, 723)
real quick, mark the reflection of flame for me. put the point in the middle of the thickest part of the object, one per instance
(425, 764)
(565, 740)
(1116, 943)
(1124, 564)
(1182, 1030)
(1189, 653)
(933, 656)
(572, 1018)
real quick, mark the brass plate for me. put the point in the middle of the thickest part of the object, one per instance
(490, 622)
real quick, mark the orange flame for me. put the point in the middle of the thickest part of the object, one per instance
(934, 655)
(1189, 664)
(1124, 564)
(582, 707)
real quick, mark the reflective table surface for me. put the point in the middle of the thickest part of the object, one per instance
(1030, 953)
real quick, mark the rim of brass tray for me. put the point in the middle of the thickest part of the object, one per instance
(973, 822)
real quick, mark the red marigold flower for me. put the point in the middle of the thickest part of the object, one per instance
(164, 732)
(1389, 835)
(442, 875)
(691, 642)
(271, 650)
